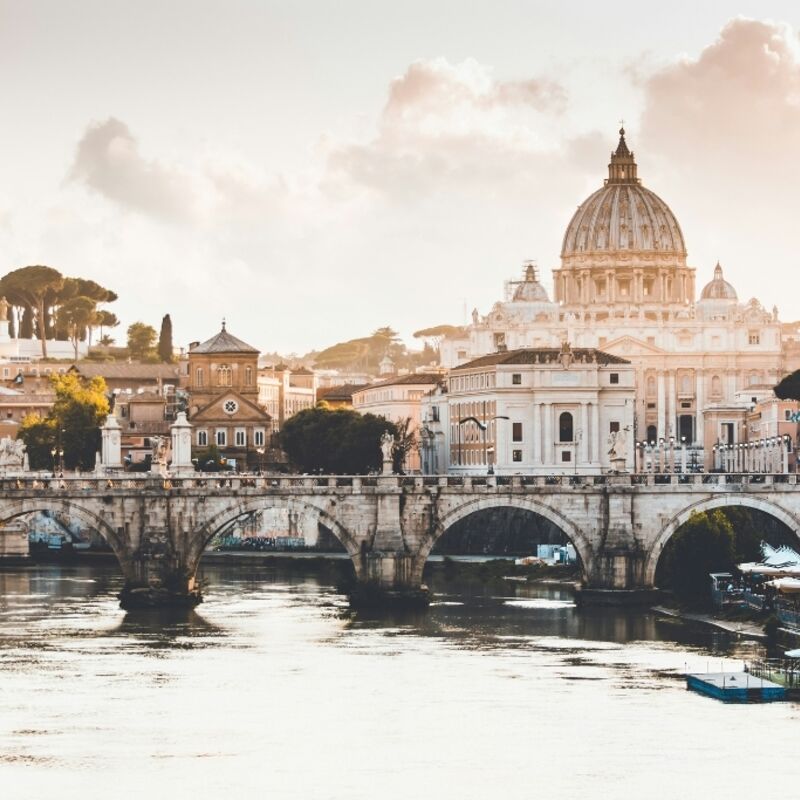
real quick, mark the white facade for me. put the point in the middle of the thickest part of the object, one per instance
(397, 400)
(533, 411)
(624, 287)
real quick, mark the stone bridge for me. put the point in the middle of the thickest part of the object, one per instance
(159, 527)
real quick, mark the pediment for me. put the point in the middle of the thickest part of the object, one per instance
(630, 346)
(246, 410)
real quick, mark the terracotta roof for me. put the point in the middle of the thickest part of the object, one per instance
(420, 378)
(150, 372)
(223, 342)
(542, 355)
(343, 392)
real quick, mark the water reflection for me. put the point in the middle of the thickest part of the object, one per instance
(273, 687)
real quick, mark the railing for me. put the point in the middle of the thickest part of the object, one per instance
(78, 483)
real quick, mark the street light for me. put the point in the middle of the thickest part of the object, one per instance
(260, 451)
(483, 427)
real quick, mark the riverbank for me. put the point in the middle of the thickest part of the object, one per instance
(748, 629)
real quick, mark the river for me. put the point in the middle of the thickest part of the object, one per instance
(272, 688)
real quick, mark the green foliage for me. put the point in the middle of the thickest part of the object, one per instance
(29, 287)
(39, 436)
(76, 315)
(789, 387)
(81, 407)
(141, 341)
(334, 441)
(165, 353)
(703, 544)
(210, 460)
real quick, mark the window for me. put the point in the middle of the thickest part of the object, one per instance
(240, 437)
(248, 376)
(222, 437)
(614, 377)
(516, 455)
(601, 341)
(652, 434)
(651, 386)
(753, 337)
(716, 386)
(516, 431)
(258, 437)
(202, 438)
(686, 384)
(565, 427)
(516, 378)
(651, 405)
(198, 377)
(224, 375)
(461, 355)
(566, 455)
(651, 340)
(613, 427)
(685, 404)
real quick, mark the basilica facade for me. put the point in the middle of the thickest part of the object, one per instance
(624, 287)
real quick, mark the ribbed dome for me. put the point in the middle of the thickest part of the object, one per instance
(719, 288)
(529, 290)
(623, 216)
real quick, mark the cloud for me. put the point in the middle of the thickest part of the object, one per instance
(108, 161)
(722, 131)
(446, 124)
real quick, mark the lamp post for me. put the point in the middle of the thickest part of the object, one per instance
(482, 426)
(260, 451)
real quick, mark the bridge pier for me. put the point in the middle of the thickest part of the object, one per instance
(388, 580)
(158, 574)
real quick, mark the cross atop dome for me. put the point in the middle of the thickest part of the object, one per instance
(622, 168)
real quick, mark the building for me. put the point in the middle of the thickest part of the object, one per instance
(282, 392)
(223, 400)
(339, 396)
(131, 378)
(532, 411)
(142, 417)
(625, 287)
(398, 399)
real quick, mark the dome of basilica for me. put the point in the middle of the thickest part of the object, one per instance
(529, 290)
(718, 288)
(623, 216)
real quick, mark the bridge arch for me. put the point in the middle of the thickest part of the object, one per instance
(730, 500)
(219, 520)
(11, 509)
(576, 537)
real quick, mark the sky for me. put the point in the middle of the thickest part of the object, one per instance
(311, 171)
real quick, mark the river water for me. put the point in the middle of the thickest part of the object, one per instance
(272, 688)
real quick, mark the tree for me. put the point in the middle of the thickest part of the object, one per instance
(75, 316)
(705, 543)
(141, 340)
(29, 286)
(405, 442)
(80, 408)
(789, 387)
(338, 441)
(105, 319)
(165, 340)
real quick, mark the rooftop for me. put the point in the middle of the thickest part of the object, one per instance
(223, 342)
(151, 372)
(544, 355)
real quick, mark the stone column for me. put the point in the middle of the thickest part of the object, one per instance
(111, 448)
(181, 431)
(584, 433)
(670, 427)
(547, 444)
(537, 433)
(662, 400)
(700, 401)
(595, 454)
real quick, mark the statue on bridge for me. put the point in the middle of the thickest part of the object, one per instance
(387, 450)
(618, 454)
(12, 454)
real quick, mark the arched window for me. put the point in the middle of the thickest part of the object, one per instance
(716, 386)
(223, 375)
(198, 377)
(248, 376)
(652, 434)
(565, 427)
